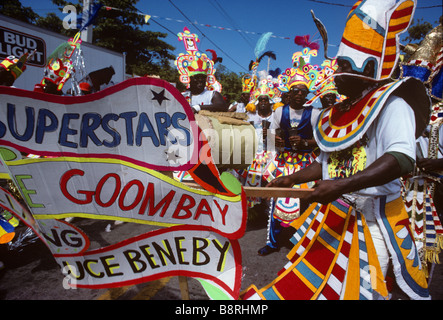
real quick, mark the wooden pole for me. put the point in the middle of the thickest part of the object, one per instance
(264, 192)
(184, 288)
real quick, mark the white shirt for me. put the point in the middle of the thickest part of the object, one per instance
(203, 98)
(256, 120)
(239, 107)
(295, 116)
(393, 130)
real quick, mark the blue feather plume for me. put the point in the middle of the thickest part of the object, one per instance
(261, 43)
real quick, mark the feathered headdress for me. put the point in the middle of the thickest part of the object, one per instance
(265, 86)
(305, 43)
(259, 53)
(215, 57)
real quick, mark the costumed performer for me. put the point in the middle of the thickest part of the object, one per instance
(368, 141)
(197, 73)
(323, 85)
(248, 85)
(261, 119)
(421, 188)
(11, 68)
(294, 144)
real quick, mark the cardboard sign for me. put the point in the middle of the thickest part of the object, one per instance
(107, 189)
(182, 251)
(99, 157)
(63, 238)
(145, 121)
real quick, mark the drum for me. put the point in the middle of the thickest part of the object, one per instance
(232, 139)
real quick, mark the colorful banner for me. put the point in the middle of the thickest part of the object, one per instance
(176, 251)
(145, 121)
(110, 189)
(102, 156)
(9, 203)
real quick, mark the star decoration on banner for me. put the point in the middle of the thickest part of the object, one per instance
(159, 96)
(171, 156)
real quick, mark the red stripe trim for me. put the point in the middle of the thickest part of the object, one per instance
(389, 58)
(359, 48)
(403, 12)
(386, 71)
(398, 27)
(391, 42)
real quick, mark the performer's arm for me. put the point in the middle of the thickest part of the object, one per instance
(383, 170)
(218, 103)
(312, 172)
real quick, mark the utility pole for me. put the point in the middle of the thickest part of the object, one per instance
(86, 35)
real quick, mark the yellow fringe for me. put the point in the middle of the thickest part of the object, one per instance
(432, 255)
(440, 241)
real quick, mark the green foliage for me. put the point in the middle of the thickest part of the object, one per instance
(418, 30)
(230, 81)
(121, 31)
(14, 9)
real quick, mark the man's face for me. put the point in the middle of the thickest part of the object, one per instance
(198, 83)
(244, 97)
(263, 103)
(297, 95)
(348, 85)
(328, 100)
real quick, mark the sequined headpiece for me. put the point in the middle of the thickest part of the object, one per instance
(194, 62)
(371, 33)
(266, 86)
(248, 83)
(302, 71)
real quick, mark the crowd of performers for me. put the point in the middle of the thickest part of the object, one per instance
(373, 146)
(363, 130)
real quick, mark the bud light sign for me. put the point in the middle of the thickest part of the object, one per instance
(16, 43)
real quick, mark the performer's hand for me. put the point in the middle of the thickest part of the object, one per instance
(325, 191)
(281, 182)
(295, 141)
(279, 142)
(196, 108)
(428, 165)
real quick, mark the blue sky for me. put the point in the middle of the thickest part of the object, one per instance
(284, 18)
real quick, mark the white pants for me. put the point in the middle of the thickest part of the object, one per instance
(368, 206)
(380, 246)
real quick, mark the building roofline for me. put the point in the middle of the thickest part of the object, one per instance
(54, 34)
